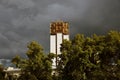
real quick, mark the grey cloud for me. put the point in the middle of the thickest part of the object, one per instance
(100, 17)
(60, 11)
(20, 4)
(22, 21)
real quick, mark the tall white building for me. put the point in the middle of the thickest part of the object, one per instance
(59, 31)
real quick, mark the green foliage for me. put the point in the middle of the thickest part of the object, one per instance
(76, 59)
(2, 74)
(27, 76)
(91, 58)
(16, 60)
(82, 58)
(37, 65)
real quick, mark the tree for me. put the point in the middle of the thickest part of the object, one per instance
(76, 59)
(27, 76)
(16, 60)
(91, 58)
(110, 55)
(2, 74)
(37, 65)
(82, 58)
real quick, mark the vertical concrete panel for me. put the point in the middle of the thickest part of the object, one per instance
(66, 37)
(59, 41)
(53, 49)
(53, 44)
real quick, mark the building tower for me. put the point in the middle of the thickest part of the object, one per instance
(58, 32)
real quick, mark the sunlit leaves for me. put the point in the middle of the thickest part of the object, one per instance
(91, 55)
(37, 65)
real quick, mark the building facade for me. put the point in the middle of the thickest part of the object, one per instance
(59, 31)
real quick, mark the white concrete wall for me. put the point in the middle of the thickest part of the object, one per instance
(66, 37)
(52, 43)
(55, 41)
(53, 49)
(59, 41)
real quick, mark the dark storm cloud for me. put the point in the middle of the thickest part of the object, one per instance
(22, 21)
(101, 16)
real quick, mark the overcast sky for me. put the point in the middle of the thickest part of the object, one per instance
(22, 21)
